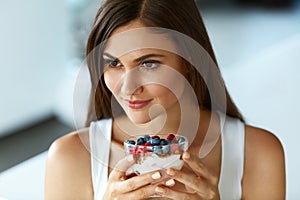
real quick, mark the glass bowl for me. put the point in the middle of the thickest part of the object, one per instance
(155, 152)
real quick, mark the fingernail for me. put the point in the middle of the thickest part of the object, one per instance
(171, 172)
(190, 190)
(156, 175)
(130, 158)
(186, 155)
(170, 182)
(159, 190)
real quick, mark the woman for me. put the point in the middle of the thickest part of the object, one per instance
(233, 161)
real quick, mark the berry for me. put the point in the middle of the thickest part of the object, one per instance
(140, 141)
(173, 141)
(164, 142)
(181, 140)
(165, 149)
(148, 144)
(155, 136)
(132, 150)
(141, 151)
(175, 148)
(131, 142)
(147, 138)
(171, 137)
(155, 141)
(157, 150)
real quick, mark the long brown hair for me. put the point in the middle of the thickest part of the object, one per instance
(178, 15)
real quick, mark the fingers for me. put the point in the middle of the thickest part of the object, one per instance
(138, 187)
(121, 167)
(197, 188)
(172, 194)
(143, 193)
(200, 182)
(194, 183)
(199, 168)
(138, 181)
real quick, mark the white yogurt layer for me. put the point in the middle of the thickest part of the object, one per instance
(154, 162)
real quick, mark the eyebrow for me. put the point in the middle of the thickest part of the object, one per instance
(137, 60)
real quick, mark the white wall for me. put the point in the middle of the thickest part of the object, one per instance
(258, 52)
(33, 53)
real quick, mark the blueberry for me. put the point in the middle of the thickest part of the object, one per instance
(131, 142)
(165, 149)
(164, 142)
(146, 138)
(155, 141)
(140, 141)
(157, 150)
(173, 141)
(181, 140)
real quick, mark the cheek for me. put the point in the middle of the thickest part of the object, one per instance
(163, 94)
(108, 81)
(111, 80)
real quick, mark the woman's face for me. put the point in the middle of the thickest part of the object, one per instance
(144, 78)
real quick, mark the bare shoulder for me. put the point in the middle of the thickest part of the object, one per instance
(68, 145)
(261, 143)
(264, 170)
(68, 173)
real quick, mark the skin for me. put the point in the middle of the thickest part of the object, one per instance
(68, 172)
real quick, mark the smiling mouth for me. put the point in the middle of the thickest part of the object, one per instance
(137, 104)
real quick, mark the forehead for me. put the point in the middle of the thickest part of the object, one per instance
(135, 37)
(139, 53)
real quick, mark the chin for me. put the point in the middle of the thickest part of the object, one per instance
(139, 120)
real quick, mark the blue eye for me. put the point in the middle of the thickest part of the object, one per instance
(150, 65)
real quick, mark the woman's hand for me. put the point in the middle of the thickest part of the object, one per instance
(137, 187)
(200, 183)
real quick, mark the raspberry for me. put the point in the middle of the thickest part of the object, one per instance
(132, 150)
(171, 137)
(175, 148)
(141, 150)
(148, 144)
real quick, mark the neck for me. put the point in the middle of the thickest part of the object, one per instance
(171, 122)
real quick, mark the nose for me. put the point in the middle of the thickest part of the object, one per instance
(131, 83)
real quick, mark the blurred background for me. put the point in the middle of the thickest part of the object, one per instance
(257, 43)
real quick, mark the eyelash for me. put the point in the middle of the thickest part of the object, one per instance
(153, 62)
(108, 63)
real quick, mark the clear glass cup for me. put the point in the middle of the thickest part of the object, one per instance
(149, 155)
(157, 156)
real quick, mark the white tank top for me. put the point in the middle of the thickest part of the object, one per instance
(232, 165)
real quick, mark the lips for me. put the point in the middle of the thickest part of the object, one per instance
(137, 104)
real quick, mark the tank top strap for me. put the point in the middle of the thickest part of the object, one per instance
(100, 139)
(232, 168)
